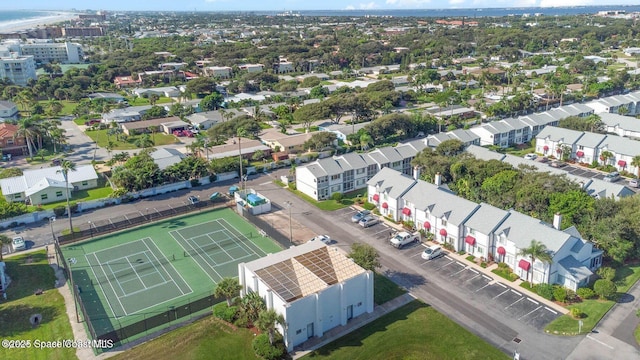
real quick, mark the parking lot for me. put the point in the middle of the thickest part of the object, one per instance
(481, 288)
(473, 285)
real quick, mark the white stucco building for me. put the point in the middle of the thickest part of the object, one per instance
(313, 286)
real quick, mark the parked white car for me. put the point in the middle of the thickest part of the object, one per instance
(368, 220)
(432, 252)
(18, 243)
(326, 239)
(531, 156)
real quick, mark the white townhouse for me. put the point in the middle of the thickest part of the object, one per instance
(222, 72)
(551, 140)
(623, 150)
(313, 286)
(587, 147)
(613, 104)
(620, 125)
(8, 110)
(486, 231)
(495, 133)
(562, 112)
(386, 189)
(574, 260)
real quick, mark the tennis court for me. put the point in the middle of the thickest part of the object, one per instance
(217, 247)
(149, 277)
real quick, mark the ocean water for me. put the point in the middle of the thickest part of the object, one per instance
(14, 15)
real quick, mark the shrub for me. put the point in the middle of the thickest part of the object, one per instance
(292, 185)
(335, 196)
(577, 313)
(265, 350)
(607, 273)
(461, 252)
(483, 265)
(604, 288)
(502, 265)
(213, 178)
(571, 296)
(195, 182)
(58, 211)
(586, 293)
(368, 206)
(471, 258)
(224, 312)
(545, 290)
(560, 294)
(513, 276)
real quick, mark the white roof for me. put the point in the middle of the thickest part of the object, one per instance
(33, 178)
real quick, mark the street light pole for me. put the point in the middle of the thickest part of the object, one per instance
(55, 242)
(290, 205)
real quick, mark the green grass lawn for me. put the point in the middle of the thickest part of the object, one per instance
(384, 289)
(415, 331)
(348, 199)
(100, 136)
(100, 192)
(594, 309)
(29, 272)
(205, 339)
(138, 101)
(636, 334)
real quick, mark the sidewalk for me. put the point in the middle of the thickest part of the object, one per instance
(353, 324)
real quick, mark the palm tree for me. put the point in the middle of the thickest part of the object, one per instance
(65, 167)
(605, 156)
(28, 129)
(365, 141)
(635, 161)
(251, 305)
(144, 141)
(536, 250)
(4, 240)
(154, 129)
(228, 288)
(267, 321)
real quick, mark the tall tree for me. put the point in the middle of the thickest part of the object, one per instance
(4, 240)
(251, 305)
(536, 251)
(228, 288)
(267, 321)
(635, 161)
(65, 167)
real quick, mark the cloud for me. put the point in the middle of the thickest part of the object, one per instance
(363, 6)
(560, 3)
(456, 2)
(407, 3)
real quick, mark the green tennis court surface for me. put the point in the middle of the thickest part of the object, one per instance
(149, 276)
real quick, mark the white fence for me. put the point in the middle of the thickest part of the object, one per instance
(27, 218)
(94, 204)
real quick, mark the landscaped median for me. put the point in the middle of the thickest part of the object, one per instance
(592, 310)
(335, 203)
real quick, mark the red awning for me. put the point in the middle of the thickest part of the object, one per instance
(546, 148)
(622, 163)
(406, 211)
(579, 153)
(524, 265)
(376, 197)
(385, 205)
(470, 240)
(443, 232)
(427, 225)
(501, 250)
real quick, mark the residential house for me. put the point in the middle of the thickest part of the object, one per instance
(143, 127)
(132, 113)
(246, 147)
(222, 72)
(314, 287)
(47, 185)
(551, 140)
(621, 125)
(450, 111)
(207, 119)
(342, 130)
(386, 189)
(252, 68)
(165, 157)
(8, 110)
(9, 142)
(125, 82)
(623, 151)
(167, 91)
(479, 230)
(290, 144)
(587, 146)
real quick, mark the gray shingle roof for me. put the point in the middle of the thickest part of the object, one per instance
(622, 145)
(624, 122)
(486, 219)
(393, 182)
(483, 153)
(572, 266)
(591, 140)
(454, 208)
(521, 229)
(557, 134)
(420, 194)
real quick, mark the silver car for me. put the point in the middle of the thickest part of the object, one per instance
(612, 177)
(368, 221)
(359, 215)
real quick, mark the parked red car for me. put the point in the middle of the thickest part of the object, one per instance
(178, 133)
(187, 133)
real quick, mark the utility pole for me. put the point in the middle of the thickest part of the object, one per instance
(289, 206)
(55, 242)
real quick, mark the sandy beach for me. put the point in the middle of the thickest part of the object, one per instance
(18, 25)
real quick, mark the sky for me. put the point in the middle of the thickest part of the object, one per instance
(279, 5)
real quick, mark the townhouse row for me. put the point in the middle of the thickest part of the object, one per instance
(486, 231)
(588, 147)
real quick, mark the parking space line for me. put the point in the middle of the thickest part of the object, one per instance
(381, 231)
(461, 264)
(473, 277)
(533, 301)
(497, 296)
(475, 271)
(600, 342)
(515, 302)
(482, 287)
(517, 293)
(457, 272)
(504, 286)
(553, 311)
(530, 312)
(447, 256)
(420, 253)
(486, 277)
(445, 265)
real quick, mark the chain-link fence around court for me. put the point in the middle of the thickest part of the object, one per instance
(126, 221)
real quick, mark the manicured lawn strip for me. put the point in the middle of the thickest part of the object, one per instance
(205, 339)
(503, 274)
(22, 303)
(384, 289)
(100, 136)
(415, 331)
(328, 205)
(637, 334)
(594, 309)
(83, 195)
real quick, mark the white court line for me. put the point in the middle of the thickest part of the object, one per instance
(206, 253)
(115, 279)
(239, 232)
(530, 312)
(222, 248)
(112, 288)
(235, 259)
(600, 342)
(136, 272)
(515, 302)
(238, 242)
(99, 284)
(165, 269)
(154, 266)
(192, 248)
(147, 288)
